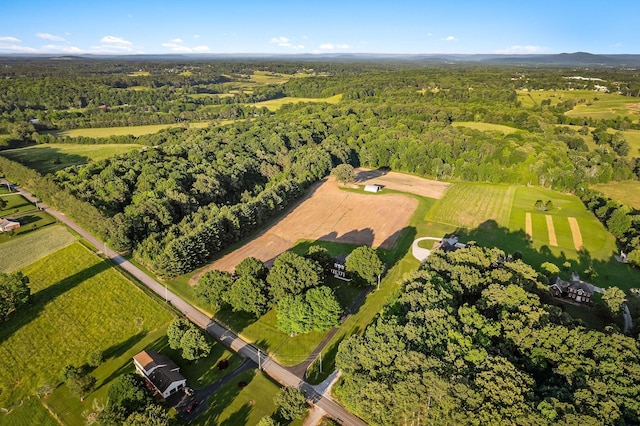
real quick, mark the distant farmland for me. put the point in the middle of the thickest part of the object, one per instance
(105, 132)
(274, 104)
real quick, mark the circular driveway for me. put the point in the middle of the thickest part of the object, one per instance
(422, 253)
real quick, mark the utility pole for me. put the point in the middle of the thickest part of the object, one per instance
(378, 281)
(166, 294)
(320, 362)
(259, 362)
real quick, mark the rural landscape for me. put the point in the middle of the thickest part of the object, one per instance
(190, 238)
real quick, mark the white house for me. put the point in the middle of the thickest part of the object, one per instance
(372, 187)
(160, 371)
(8, 225)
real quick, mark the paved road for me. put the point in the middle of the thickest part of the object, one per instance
(227, 337)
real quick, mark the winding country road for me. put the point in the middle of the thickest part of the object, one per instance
(224, 335)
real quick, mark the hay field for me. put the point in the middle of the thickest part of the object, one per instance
(20, 252)
(329, 214)
(80, 304)
(468, 205)
(624, 192)
(47, 158)
(104, 132)
(275, 104)
(486, 127)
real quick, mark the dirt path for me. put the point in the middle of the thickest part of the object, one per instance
(552, 232)
(575, 233)
(528, 226)
(329, 214)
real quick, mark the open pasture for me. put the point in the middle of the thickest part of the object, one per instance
(105, 132)
(267, 77)
(49, 158)
(274, 104)
(468, 205)
(623, 192)
(22, 250)
(632, 136)
(16, 204)
(80, 305)
(486, 127)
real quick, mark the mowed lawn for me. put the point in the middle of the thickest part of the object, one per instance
(274, 104)
(104, 132)
(23, 250)
(80, 305)
(48, 158)
(468, 205)
(623, 192)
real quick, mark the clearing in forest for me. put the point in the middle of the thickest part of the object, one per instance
(623, 192)
(469, 205)
(274, 104)
(403, 183)
(105, 132)
(329, 214)
(486, 127)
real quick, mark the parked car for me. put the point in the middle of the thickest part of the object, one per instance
(192, 406)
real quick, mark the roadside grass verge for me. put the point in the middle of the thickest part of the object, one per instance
(49, 158)
(21, 251)
(104, 132)
(79, 305)
(623, 192)
(16, 204)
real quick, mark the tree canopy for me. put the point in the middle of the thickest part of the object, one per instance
(292, 274)
(365, 263)
(14, 293)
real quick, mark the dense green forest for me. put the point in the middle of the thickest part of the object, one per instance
(192, 192)
(470, 340)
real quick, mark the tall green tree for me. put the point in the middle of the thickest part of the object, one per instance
(291, 403)
(251, 266)
(14, 293)
(176, 330)
(365, 263)
(194, 344)
(344, 173)
(613, 297)
(248, 294)
(292, 274)
(212, 287)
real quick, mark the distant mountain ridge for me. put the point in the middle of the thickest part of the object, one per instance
(559, 59)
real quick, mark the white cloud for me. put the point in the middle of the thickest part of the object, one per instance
(331, 46)
(4, 47)
(196, 36)
(522, 50)
(48, 36)
(114, 41)
(281, 41)
(449, 38)
(10, 39)
(176, 46)
(429, 35)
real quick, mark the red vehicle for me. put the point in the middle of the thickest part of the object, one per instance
(192, 406)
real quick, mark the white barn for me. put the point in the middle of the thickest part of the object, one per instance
(374, 187)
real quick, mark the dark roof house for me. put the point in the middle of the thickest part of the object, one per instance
(161, 371)
(576, 289)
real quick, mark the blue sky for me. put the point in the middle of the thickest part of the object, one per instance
(294, 27)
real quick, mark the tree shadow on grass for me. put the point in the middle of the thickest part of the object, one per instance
(224, 397)
(357, 236)
(45, 296)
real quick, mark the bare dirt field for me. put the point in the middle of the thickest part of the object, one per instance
(405, 183)
(575, 233)
(329, 214)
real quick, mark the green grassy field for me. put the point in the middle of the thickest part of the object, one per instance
(30, 413)
(80, 304)
(211, 95)
(30, 221)
(468, 205)
(16, 204)
(140, 74)
(624, 192)
(266, 77)
(48, 158)
(104, 132)
(631, 136)
(486, 127)
(233, 405)
(274, 104)
(21, 251)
